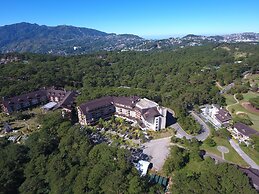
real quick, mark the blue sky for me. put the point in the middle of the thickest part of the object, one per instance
(147, 18)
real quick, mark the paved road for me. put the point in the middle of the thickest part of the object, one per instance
(206, 130)
(180, 133)
(243, 154)
(158, 149)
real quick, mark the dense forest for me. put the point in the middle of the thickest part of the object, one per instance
(61, 159)
(179, 79)
(205, 177)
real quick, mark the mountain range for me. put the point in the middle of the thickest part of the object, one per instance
(66, 40)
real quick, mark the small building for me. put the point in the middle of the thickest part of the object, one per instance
(216, 115)
(13, 138)
(156, 179)
(242, 132)
(49, 106)
(7, 128)
(143, 166)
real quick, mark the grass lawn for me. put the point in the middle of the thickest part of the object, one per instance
(232, 156)
(251, 153)
(247, 96)
(229, 99)
(167, 132)
(254, 117)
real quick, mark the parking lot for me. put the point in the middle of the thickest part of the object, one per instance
(158, 150)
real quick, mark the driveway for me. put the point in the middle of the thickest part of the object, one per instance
(158, 149)
(205, 128)
(243, 154)
(180, 133)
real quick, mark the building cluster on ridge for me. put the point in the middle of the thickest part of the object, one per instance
(148, 114)
(220, 117)
(60, 99)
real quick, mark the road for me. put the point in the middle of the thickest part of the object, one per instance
(180, 133)
(158, 149)
(243, 154)
(206, 130)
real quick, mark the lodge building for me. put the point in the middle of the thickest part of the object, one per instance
(148, 114)
(62, 98)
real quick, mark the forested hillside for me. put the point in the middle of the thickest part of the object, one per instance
(61, 159)
(187, 75)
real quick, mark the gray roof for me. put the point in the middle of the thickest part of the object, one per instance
(223, 115)
(107, 101)
(97, 103)
(151, 113)
(245, 130)
(126, 101)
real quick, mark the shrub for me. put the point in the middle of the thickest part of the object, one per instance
(210, 142)
(240, 96)
(255, 102)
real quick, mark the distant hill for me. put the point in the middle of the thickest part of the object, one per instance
(26, 37)
(67, 40)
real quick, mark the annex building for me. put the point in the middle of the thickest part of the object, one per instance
(148, 114)
(59, 98)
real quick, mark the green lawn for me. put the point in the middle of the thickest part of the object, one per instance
(254, 117)
(247, 96)
(232, 156)
(252, 153)
(229, 99)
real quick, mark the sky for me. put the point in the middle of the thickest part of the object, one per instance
(146, 18)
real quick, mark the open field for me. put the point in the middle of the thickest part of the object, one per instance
(232, 156)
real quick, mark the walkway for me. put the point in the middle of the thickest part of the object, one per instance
(237, 102)
(243, 154)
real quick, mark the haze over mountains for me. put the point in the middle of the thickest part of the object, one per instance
(66, 40)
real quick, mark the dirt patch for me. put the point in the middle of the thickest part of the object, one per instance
(248, 106)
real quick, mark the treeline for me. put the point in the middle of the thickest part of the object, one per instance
(192, 174)
(61, 159)
(178, 79)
